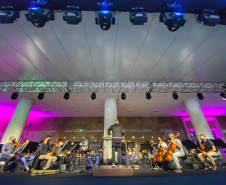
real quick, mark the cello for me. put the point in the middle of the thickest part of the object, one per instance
(159, 153)
(168, 155)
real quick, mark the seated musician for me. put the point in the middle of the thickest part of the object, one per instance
(45, 152)
(209, 151)
(8, 155)
(25, 157)
(91, 156)
(178, 152)
(146, 152)
(61, 155)
(162, 144)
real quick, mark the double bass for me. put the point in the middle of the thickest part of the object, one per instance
(168, 155)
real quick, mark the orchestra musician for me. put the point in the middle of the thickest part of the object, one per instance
(8, 155)
(24, 157)
(208, 151)
(178, 152)
(117, 131)
(162, 144)
(62, 155)
(146, 152)
(45, 152)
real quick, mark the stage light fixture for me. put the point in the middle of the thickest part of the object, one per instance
(66, 96)
(138, 16)
(39, 16)
(40, 96)
(123, 96)
(93, 96)
(8, 15)
(209, 18)
(200, 96)
(14, 96)
(223, 96)
(73, 15)
(175, 96)
(172, 16)
(104, 15)
(148, 95)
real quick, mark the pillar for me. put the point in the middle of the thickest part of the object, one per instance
(110, 115)
(197, 117)
(18, 120)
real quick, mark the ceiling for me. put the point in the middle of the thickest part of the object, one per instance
(125, 53)
(191, 6)
(61, 52)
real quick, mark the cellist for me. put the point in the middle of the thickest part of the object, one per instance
(162, 144)
(208, 150)
(178, 152)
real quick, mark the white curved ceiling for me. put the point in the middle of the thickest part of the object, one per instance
(61, 52)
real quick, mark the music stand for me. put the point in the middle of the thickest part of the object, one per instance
(63, 148)
(82, 145)
(1, 145)
(189, 144)
(30, 147)
(150, 148)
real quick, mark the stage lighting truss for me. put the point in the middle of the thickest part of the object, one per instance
(209, 18)
(8, 15)
(110, 87)
(138, 16)
(105, 14)
(172, 16)
(39, 16)
(72, 15)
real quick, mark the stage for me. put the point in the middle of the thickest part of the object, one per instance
(141, 176)
(108, 171)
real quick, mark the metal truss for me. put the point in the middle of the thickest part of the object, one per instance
(111, 87)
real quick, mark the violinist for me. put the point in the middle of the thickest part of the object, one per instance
(178, 152)
(8, 154)
(208, 151)
(162, 144)
(61, 155)
(24, 157)
(45, 152)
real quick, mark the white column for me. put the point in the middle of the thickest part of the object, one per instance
(110, 115)
(18, 120)
(197, 117)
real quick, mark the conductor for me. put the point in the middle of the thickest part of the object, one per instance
(117, 131)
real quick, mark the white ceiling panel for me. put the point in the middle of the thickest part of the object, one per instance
(84, 52)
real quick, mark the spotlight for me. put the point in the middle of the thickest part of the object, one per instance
(148, 95)
(72, 15)
(123, 96)
(175, 96)
(104, 16)
(14, 96)
(93, 96)
(39, 16)
(209, 18)
(40, 96)
(172, 16)
(8, 15)
(223, 96)
(66, 96)
(200, 96)
(137, 16)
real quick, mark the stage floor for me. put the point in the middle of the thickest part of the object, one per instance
(108, 171)
(140, 176)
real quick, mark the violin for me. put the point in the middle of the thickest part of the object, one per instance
(17, 144)
(54, 148)
(168, 155)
